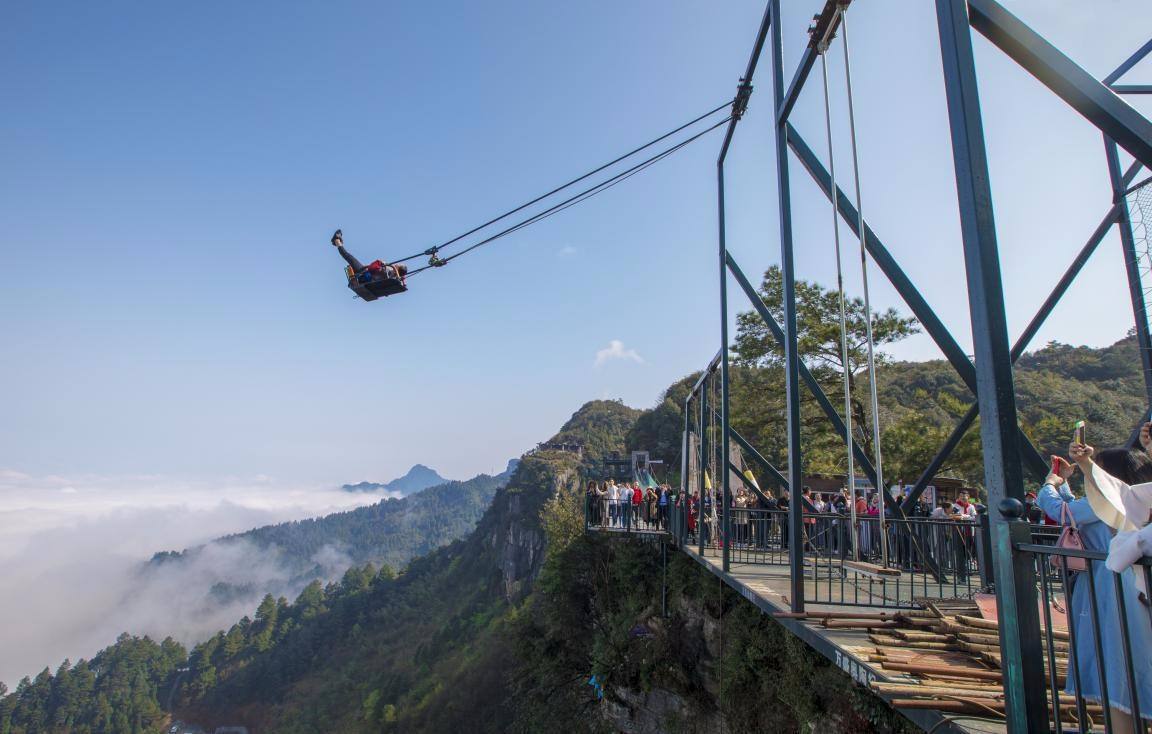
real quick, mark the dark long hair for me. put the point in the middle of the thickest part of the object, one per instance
(1131, 466)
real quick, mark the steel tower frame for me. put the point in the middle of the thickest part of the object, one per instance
(1007, 451)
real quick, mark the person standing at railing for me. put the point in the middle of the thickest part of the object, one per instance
(602, 501)
(625, 505)
(692, 505)
(964, 511)
(816, 529)
(662, 507)
(839, 506)
(861, 520)
(1133, 542)
(652, 500)
(809, 521)
(706, 516)
(1056, 500)
(766, 528)
(637, 503)
(593, 506)
(740, 506)
(613, 503)
(870, 533)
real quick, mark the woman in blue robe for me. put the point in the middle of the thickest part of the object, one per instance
(1096, 535)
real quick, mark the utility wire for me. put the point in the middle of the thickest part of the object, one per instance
(510, 212)
(577, 198)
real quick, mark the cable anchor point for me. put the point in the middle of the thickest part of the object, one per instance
(825, 23)
(740, 104)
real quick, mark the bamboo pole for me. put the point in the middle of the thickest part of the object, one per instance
(947, 672)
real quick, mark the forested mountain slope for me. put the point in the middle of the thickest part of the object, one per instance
(390, 532)
(429, 650)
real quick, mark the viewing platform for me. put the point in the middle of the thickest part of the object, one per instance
(849, 648)
(921, 634)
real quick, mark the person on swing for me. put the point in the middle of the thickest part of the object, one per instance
(375, 270)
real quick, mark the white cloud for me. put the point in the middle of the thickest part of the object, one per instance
(567, 251)
(616, 350)
(72, 548)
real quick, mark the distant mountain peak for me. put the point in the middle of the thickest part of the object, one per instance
(418, 478)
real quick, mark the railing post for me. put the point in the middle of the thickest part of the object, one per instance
(1019, 620)
(984, 549)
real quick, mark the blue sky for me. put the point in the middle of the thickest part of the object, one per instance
(172, 172)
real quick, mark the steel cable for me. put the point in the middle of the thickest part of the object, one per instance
(432, 250)
(577, 198)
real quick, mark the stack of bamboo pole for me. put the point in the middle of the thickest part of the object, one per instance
(945, 658)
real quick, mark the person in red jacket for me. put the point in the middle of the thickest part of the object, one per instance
(376, 270)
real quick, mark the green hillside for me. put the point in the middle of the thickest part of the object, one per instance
(389, 533)
(429, 650)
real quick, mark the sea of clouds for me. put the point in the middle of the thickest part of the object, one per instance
(72, 551)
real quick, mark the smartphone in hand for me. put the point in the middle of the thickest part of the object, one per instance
(1078, 433)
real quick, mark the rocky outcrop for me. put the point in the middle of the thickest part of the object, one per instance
(656, 712)
(519, 550)
(517, 538)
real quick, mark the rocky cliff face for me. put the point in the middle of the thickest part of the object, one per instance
(661, 709)
(517, 537)
(714, 664)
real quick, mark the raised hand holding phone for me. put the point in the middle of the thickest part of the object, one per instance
(1080, 452)
(1061, 470)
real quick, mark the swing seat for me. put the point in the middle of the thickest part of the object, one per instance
(871, 569)
(374, 288)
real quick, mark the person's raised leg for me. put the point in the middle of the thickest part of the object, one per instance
(338, 243)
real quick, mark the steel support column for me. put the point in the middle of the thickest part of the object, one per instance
(685, 463)
(791, 357)
(725, 482)
(703, 443)
(1022, 659)
(1132, 267)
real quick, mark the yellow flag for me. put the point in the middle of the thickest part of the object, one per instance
(751, 479)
